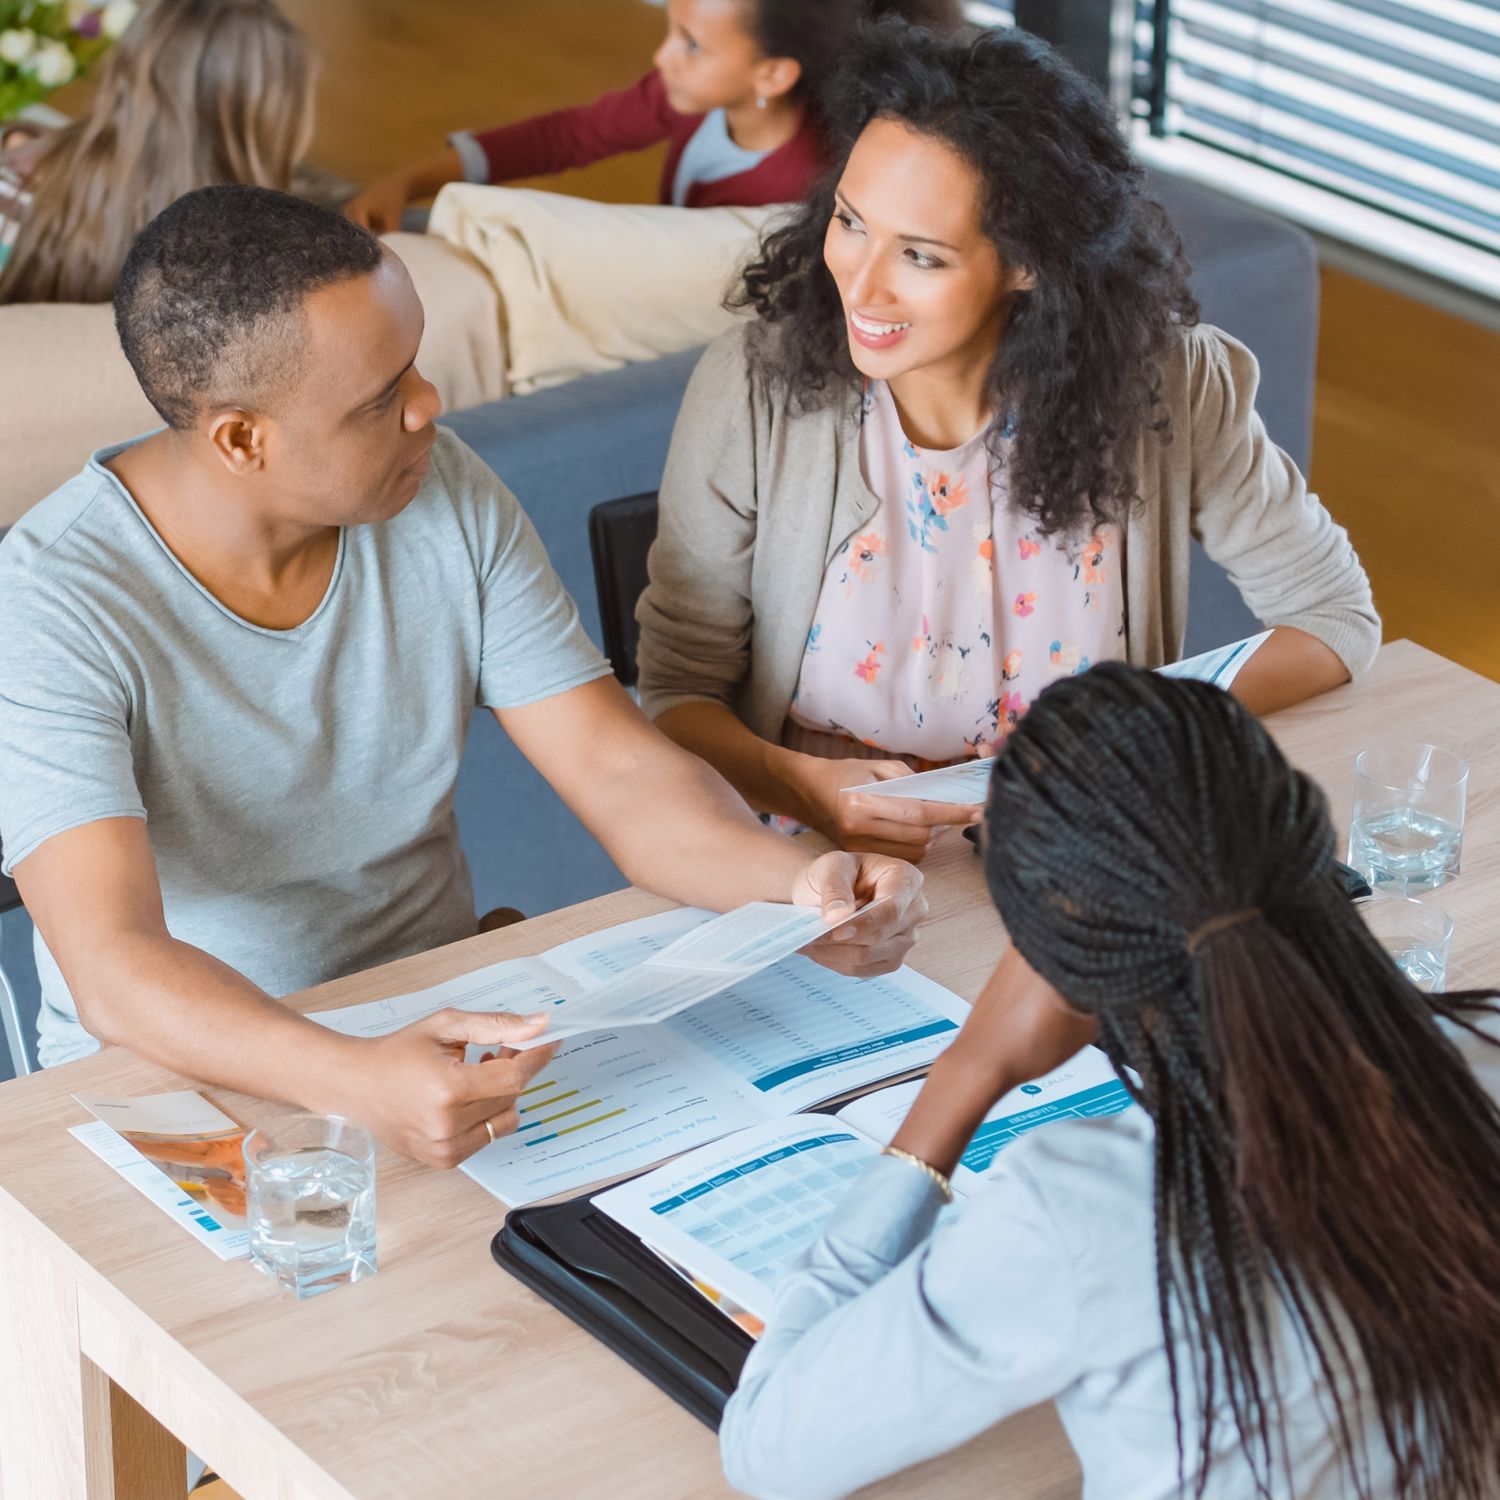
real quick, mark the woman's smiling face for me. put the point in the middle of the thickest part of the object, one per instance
(920, 281)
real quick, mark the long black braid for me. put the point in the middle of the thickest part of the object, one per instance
(1321, 1145)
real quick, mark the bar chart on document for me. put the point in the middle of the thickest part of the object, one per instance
(613, 1102)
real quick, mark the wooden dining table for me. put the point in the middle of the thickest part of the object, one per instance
(122, 1339)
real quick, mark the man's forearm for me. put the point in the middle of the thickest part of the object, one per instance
(676, 827)
(177, 1006)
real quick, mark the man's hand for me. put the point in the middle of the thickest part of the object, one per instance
(901, 827)
(414, 1090)
(874, 944)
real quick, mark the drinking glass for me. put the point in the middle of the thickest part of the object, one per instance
(1414, 934)
(310, 1189)
(1407, 830)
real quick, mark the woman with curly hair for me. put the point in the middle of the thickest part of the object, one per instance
(961, 451)
(1276, 1278)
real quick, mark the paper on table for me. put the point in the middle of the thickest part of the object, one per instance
(631, 975)
(967, 783)
(185, 1155)
(1083, 1087)
(1220, 666)
(735, 1215)
(785, 1038)
(700, 964)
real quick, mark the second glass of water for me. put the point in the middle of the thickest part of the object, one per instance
(310, 1190)
(1407, 830)
(1416, 936)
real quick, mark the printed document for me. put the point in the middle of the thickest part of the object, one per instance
(733, 1216)
(1220, 666)
(769, 1041)
(185, 1155)
(633, 975)
(967, 784)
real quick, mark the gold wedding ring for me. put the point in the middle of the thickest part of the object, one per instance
(489, 1130)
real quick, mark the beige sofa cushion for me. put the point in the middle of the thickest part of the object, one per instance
(66, 389)
(587, 286)
(462, 353)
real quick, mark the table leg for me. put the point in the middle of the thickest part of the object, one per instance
(66, 1431)
(128, 1454)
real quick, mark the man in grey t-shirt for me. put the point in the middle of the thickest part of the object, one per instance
(237, 663)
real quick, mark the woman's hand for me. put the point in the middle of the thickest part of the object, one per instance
(1019, 1029)
(900, 827)
(841, 883)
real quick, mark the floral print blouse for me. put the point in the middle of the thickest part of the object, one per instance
(941, 620)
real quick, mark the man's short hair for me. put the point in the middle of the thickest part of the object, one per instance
(209, 302)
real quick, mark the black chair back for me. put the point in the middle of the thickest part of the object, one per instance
(620, 537)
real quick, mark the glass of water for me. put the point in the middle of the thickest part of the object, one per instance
(1414, 934)
(310, 1189)
(1408, 826)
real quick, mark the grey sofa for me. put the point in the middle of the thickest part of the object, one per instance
(564, 450)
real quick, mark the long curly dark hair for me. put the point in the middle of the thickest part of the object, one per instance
(1077, 370)
(1319, 1140)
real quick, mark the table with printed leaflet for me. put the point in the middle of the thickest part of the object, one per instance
(121, 1339)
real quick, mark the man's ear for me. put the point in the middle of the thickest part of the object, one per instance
(239, 439)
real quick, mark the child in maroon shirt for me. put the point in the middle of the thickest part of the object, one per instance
(730, 93)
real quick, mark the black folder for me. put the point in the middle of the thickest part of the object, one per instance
(598, 1273)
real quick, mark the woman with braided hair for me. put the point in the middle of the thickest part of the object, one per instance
(1277, 1277)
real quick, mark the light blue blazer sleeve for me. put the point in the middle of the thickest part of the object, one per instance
(898, 1337)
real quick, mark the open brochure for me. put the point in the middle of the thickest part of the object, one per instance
(776, 1040)
(633, 975)
(185, 1155)
(968, 783)
(1220, 666)
(732, 1217)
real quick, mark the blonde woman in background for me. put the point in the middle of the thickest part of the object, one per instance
(195, 92)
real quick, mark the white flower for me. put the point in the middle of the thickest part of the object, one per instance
(53, 65)
(118, 14)
(17, 46)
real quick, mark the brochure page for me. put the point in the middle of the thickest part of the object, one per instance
(967, 784)
(634, 974)
(1085, 1086)
(184, 1154)
(617, 1102)
(733, 1216)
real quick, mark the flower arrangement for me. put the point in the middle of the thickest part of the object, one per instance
(47, 43)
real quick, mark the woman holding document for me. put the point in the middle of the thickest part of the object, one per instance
(1276, 1278)
(961, 452)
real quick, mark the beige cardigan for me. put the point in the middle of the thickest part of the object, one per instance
(756, 500)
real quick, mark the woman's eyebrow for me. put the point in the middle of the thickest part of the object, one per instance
(911, 239)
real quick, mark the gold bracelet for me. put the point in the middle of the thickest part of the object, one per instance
(944, 1186)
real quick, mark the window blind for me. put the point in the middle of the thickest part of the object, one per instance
(1392, 103)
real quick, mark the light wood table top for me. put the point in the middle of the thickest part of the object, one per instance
(442, 1375)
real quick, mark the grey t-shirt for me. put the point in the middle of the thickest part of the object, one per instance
(297, 784)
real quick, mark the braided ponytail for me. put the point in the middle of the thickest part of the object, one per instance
(1318, 1139)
